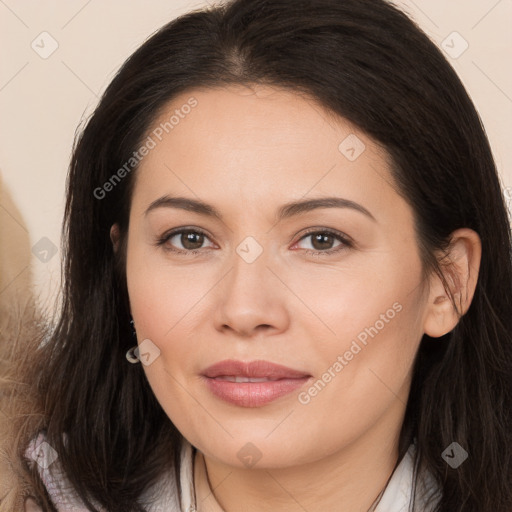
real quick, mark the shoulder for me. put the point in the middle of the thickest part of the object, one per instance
(162, 497)
(45, 458)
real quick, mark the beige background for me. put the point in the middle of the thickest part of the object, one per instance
(42, 101)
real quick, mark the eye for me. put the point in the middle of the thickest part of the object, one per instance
(191, 241)
(322, 242)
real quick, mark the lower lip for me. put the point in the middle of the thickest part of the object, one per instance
(253, 394)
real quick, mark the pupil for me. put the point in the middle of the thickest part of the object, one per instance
(187, 239)
(322, 238)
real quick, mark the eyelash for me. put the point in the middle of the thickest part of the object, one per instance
(346, 242)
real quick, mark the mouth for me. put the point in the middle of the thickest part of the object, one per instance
(259, 369)
(252, 384)
(244, 379)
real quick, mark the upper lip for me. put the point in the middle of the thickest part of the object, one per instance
(254, 369)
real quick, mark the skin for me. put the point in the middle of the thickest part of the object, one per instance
(31, 506)
(248, 151)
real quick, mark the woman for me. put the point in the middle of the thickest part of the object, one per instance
(287, 278)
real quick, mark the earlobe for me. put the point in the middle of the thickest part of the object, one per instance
(114, 236)
(461, 274)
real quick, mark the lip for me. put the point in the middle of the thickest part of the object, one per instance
(282, 381)
(255, 369)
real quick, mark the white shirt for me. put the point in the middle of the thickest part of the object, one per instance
(163, 497)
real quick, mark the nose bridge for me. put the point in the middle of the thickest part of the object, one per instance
(250, 263)
(248, 298)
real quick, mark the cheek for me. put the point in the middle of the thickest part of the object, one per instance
(340, 302)
(161, 294)
(375, 326)
(364, 377)
(168, 306)
(162, 304)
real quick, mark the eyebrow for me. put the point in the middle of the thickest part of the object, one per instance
(286, 211)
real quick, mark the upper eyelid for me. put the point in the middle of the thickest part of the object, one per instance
(309, 231)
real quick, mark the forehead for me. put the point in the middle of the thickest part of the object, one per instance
(254, 143)
(261, 116)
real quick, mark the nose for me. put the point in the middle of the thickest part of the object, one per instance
(251, 299)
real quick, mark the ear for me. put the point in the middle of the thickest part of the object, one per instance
(114, 236)
(461, 273)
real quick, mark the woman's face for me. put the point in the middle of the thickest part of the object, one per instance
(334, 293)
